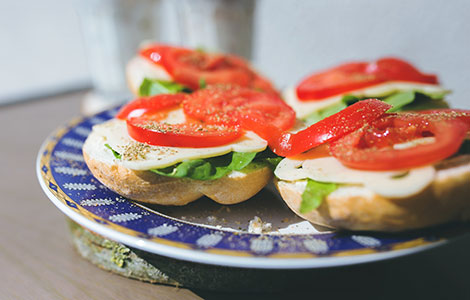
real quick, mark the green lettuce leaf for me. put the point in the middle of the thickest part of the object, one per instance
(350, 99)
(412, 100)
(273, 161)
(464, 148)
(201, 49)
(202, 83)
(399, 100)
(422, 102)
(324, 113)
(150, 87)
(435, 95)
(115, 153)
(267, 157)
(314, 194)
(216, 167)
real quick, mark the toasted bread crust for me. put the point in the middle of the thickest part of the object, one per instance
(149, 187)
(357, 208)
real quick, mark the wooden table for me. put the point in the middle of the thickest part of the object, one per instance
(37, 260)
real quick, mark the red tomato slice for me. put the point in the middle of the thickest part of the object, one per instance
(191, 135)
(265, 114)
(374, 146)
(353, 76)
(331, 128)
(156, 53)
(335, 81)
(189, 67)
(389, 69)
(450, 113)
(148, 105)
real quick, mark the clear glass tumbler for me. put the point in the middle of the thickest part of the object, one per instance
(217, 25)
(112, 31)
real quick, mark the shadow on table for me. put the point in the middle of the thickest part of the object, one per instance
(440, 273)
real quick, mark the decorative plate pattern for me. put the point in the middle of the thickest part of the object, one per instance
(69, 184)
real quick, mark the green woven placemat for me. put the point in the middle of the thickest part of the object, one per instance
(115, 257)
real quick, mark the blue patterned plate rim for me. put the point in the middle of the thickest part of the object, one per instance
(68, 183)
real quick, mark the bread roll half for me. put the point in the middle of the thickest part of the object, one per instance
(146, 186)
(355, 207)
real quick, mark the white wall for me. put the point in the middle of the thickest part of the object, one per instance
(298, 36)
(41, 44)
(40, 48)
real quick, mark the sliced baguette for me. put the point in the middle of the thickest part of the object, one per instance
(146, 186)
(355, 207)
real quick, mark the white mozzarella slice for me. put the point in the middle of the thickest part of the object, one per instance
(304, 108)
(175, 116)
(138, 156)
(139, 68)
(415, 142)
(413, 182)
(329, 169)
(290, 169)
(394, 184)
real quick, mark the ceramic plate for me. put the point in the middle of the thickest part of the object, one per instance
(204, 231)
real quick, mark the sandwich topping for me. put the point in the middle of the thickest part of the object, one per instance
(192, 67)
(331, 128)
(391, 154)
(204, 116)
(203, 135)
(389, 79)
(265, 114)
(214, 116)
(401, 141)
(353, 76)
(328, 170)
(140, 156)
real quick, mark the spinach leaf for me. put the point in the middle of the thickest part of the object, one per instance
(314, 194)
(150, 87)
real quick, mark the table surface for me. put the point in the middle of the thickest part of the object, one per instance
(37, 260)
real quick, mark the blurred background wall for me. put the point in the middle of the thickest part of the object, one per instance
(42, 51)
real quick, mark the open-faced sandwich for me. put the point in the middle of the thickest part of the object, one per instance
(199, 127)
(159, 68)
(389, 79)
(171, 149)
(203, 122)
(365, 168)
